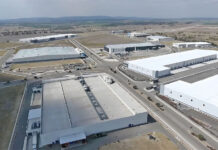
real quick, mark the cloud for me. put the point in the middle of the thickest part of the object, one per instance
(140, 8)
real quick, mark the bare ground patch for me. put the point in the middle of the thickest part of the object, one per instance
(157, 142)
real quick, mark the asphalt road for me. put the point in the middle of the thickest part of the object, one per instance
(20, 127)
(192, 72)
(175, 123)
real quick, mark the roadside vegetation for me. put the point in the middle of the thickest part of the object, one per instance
(10, 99)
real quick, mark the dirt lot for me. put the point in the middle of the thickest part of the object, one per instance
(99, 39)
(4, 45)
(10, 99)
(160, 142)
(2, 52)
(46, 64)
(8, 77)
(204, 33)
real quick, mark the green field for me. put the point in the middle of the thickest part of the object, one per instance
(10, 99)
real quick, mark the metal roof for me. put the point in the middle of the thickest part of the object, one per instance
(130, 45)
(45, 51)
(204, 90)
(72, 138)
(157, 37)
(47, 37)
(159, 63)
(198, 43)
(34, 113)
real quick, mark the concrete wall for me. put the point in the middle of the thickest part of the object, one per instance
(45, 58)
(141, 70)
(193, 102)
(104, 126)
(116, 124)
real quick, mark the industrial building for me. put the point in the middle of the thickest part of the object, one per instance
(118, 31)
(74, 108)
(46, 54)
(125, 48)
(192, 45)
(138, 34)
(201, 96)
(160, 66)
(47, 38)
(159, 39)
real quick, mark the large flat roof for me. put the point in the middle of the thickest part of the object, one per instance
(204, 90)
(130, 45)
(159, 63)
(199, 43)
(158, 37)
(47, 37)
(66, 105)
(45, 51)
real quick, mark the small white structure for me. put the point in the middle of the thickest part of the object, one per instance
(34, 121)
(117, 31)
(192, 45)
(160, 66)
(159, 39)
(201, 95)
(138, 34)
(124, 48)
(45, 54)
(47, 38)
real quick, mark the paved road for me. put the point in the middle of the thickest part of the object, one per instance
(176, 124)
(11, 83)
(188, 73)
(20, 127)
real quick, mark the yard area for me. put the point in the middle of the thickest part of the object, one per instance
(99, 39)
(10, 99)
(8, 77)
(4, 45)
(46, 64)
(154, 141)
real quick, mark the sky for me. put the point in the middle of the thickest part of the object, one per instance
(10, 9)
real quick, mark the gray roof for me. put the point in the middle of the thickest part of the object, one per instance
(45, 51)
(130, 45)
(34, 113)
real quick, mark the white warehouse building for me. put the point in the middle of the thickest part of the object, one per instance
(159, 38)
(138, 34)
(192, 45)
(198, 95)
(47, 38)
(160, 66)
(46, 54)
(124, 48)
